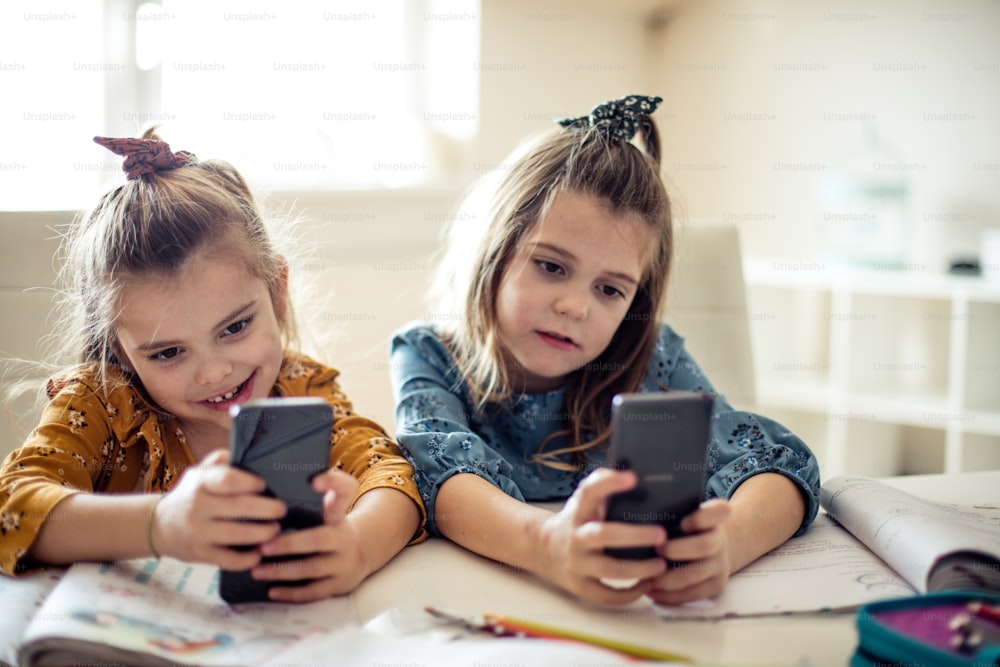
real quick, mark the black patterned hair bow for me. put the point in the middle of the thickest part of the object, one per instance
(620, 118)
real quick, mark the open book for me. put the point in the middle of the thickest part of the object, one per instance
(166, 613)
(149, 612)
(934, 546)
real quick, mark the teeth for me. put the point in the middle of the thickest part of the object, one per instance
(227, 396)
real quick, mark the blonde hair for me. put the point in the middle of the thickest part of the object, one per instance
(625, 176)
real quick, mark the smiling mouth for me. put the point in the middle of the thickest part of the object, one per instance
(228, 396)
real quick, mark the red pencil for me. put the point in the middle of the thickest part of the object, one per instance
(983, 610)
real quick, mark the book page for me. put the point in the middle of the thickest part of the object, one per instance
(172, 610)
(22, 598)
(826, 569)
(909, 533)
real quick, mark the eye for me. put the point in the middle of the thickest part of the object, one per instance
(237, 326)
(165, 355)
(609, 291)
(549, 267)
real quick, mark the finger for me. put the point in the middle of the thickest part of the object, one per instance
(246, 507)
(316, 590)
(231, 559)
(694, 547)
(710, 514)
(216, 457)
(703, 589)
(226, 480)
(595, 591)
(243, 533)
(609, 567)
(294, 569)
(321, 539)
(683, 576)
(335, 506)
(335, 480)
(591, 495)
(596, 535)
(339, 489)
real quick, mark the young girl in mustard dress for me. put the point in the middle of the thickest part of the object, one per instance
(183, 311)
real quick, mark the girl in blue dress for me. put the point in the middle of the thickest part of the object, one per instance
(504, 400)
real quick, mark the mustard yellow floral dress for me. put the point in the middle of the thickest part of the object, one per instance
(116, 441)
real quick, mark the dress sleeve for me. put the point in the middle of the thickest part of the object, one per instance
(433, 423)
(362, 448)
(743, 443)
(62, 456)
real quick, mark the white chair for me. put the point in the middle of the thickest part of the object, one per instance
(707, 305)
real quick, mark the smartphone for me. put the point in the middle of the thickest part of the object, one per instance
(286, 442)
(664, 438)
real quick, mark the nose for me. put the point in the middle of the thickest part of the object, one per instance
(572, 303)
(213, 370)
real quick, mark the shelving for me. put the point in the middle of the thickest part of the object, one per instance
(888, 372)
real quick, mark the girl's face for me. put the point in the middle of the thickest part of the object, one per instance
(201, 341)
(567, 287)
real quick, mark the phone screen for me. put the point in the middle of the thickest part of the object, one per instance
(286, 442)
(664, 438)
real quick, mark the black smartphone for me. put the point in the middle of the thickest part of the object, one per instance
(286, 442)
(664, 438)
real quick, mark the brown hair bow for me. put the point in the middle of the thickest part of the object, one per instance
(145, 156)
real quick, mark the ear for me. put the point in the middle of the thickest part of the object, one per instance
(281, 289)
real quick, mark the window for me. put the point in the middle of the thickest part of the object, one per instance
(302, 95)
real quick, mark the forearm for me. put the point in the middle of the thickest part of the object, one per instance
(90, 527)
(767, 509)
(480, 517)
(386, 520)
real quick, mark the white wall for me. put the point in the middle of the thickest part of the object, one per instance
(714, 62)
(758, 94)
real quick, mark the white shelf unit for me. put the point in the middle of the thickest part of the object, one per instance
(881, 372)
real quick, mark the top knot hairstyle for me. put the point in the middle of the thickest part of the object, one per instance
(145, 156)
(621, 120)
(613, 155)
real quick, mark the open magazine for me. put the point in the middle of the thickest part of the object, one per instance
(22, 599)
(164, 612)
(934, 546)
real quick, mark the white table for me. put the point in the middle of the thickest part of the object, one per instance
(438, 573)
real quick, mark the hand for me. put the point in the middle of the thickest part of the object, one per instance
(705, 554)
(201, 518)
(572, 543)
(334, 555)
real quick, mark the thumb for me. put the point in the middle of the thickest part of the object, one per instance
(338, 489)
(216, 457)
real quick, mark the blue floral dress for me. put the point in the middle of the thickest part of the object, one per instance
(442, 434)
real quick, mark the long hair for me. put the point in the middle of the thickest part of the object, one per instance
(625, 176)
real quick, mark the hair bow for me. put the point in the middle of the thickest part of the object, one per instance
(619, 118)
(144, 156)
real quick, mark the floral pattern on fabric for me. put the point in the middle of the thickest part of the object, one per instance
(114, 441)
(442, 433)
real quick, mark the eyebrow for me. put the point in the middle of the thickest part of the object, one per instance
(570, 256)
(159, 345)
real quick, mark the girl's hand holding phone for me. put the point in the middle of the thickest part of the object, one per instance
(704, 555)
(202, 518)
(333, 553)
(572, 542)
